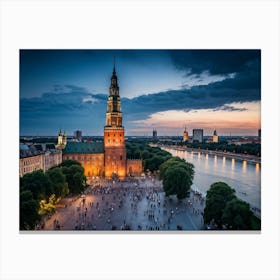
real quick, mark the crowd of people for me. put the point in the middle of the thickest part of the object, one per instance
(136, 204)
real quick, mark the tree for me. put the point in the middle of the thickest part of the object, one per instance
(145, 154)
(177, 175)
(136, 153)
(28, 210)
(69, 162)
(237, 215)
(216, 199)
(172, 161)
(75, 178)
(58, 181)
(38, 183)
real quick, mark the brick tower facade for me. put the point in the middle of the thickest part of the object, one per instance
(114, 141)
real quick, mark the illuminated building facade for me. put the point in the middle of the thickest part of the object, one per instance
(61, 140)
(89, 154)
(114, 142)
(215, 137)
(185, 135)
(106, 159)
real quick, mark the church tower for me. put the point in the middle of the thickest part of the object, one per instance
(114, 142)
(61, 140)
(185, 135)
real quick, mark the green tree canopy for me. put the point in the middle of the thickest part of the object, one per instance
(58, 181)
(69, 162)
(75, 178)
(177, 175)
(28, 210)
(216, 199)
(170, 162)
(38, 183)
(237, 215)
(145, 154)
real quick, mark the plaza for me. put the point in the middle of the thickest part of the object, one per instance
(135, 204)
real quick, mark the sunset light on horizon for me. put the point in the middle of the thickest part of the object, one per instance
(162, 89)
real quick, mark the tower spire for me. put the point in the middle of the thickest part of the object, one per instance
(114, 70)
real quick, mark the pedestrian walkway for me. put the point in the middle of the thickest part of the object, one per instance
(137, 204)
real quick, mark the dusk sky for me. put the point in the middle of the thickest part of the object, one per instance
(162, 89)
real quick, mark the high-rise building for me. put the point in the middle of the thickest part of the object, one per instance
(114, 142)
(215, 137)
(78, 135)
(198, 135)
(259, 133)
(185, 135)
(154, 134)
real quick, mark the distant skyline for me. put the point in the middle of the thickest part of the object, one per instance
(162, 89)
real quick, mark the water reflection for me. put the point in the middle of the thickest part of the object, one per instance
(244, 166)
(257, 168)
(224, 162)
(232, 164)
(206, 161)
(243, 176)
(191, 155)
(215, 161)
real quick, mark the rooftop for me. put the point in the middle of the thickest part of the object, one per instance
(84, 148)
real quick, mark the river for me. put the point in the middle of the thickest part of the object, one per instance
(244, 177)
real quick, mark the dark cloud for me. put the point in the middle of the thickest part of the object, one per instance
(230, 108)
(211, 96)
(215, 61)
(68, 109)
(74, 107)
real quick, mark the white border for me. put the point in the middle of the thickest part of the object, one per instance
(123, 24)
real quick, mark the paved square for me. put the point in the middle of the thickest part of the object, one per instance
(138, 204)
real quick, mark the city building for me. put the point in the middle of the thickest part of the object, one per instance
(30, 159)
(198, 135)
(185, 135)
(38, 156)
(154, 134)
(107, 158)
(78, 135)
(62, 140)
(215, 137)
(89, 154)
(259, 133)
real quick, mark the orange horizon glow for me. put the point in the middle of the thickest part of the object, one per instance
(246, 121)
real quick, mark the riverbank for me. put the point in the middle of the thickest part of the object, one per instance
(240, 173)
(241, 157)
